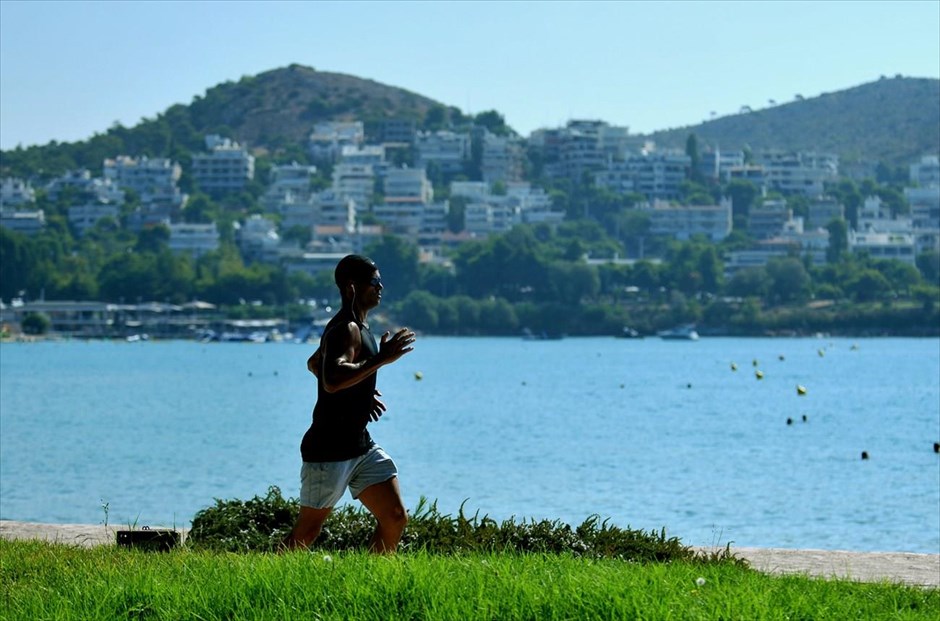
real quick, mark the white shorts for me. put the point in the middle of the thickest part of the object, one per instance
(323, 483)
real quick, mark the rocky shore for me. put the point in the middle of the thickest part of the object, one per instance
(902, 567)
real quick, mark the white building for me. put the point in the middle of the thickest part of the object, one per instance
(502, 158)
(926, 172)
(153, 180)
(84, 217)
(824, 210)
(28, 222)
(410, 183)
(488, 218)
(15, 192)
(797, 172)
(658, 176)
(258, 239)
(194, 239)
(227, 167)
(471, 190)
(289, 186)
(768, 219)
(682, 222)
(357, 182)
(328, 139)
(898, 246)
(445, 149)
(716, 164)
(334, 209)
(366, 155)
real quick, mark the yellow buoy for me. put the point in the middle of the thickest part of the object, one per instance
(800, 390)
(734, 367)
(759, 374)
(419, 375)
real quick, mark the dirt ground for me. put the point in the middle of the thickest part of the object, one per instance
(903, 567)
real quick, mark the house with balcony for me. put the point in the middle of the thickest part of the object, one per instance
(822, 211)
(227, 167)
(791, 172)
(448, 151)
(258, 240)
(289, 185)
(193, 239)
(154, 180)
(25, 221)
(355, 182)
(328, 138)
(16, 192)
(683, 222)
(84, 217)
(502, 158)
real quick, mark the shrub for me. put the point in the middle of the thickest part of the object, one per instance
(260, 524)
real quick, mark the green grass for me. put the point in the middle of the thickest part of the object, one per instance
(51, 581)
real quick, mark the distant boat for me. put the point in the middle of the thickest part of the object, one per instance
(679, 333)
(529, 335)
(629, 333)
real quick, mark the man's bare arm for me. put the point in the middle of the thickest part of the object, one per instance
(343, 370)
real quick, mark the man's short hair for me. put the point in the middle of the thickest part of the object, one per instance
(355, 268)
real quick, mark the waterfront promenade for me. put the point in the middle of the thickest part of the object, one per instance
(903, 567)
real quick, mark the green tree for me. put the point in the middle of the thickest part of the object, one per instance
(419, 311)
(838, 240)
(695, 168)
(789, 281)
(929, 265)
(398, 263)
(35, 323)
(742, 194)
(868, 285)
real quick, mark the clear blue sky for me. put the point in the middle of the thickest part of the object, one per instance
(70, 69)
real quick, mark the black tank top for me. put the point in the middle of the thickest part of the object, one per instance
(338, 431)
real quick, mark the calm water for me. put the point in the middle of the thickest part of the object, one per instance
(645, 432)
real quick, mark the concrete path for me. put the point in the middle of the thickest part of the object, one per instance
(902, 567)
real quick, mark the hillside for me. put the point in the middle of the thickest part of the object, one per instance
(280, 106)
(891, 120)
(270, 112)
(894, 120)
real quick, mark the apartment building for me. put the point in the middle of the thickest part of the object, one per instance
(366, 155)
(502, 158)
(25, 221)
(227, 167)
(822, 211)
(356, 182)
(257, 239)
(792, 172)
(16, 192)
(657, 175)
(397, 132)
(328, 139)
(193, 239)
(410, 183)
(153, 180)
(682, 222)
(84, 217)
(289, 184)
(768, 219)
(334, 209)
(446, 150)
(926, 172)
(878, 245)
(716, 164)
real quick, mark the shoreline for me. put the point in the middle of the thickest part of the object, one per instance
(910, 568)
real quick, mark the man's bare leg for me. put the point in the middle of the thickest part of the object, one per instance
(307, 528)
(384, 501)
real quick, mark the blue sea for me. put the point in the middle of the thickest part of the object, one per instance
(646, 433)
